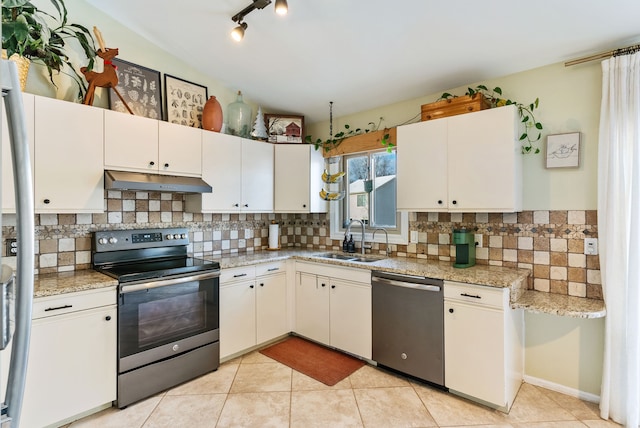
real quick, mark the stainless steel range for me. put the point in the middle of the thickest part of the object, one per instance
(168, 309)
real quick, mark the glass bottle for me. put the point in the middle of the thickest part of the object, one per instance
(239, 118)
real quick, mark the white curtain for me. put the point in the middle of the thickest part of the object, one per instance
(619, 232)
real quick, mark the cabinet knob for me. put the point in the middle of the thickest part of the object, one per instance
(333, 286)
(152, 163)
(262, 284)
(304, 205)
(166, 165)
(323, 284)
(236, 205)
(439, 201)
(454, 202)
(47, 201)
(246, 205)
(450, 310)
(251, 286)
(108, 318)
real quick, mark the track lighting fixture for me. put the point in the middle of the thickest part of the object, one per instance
(237, 34)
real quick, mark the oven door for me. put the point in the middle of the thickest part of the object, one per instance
(166, 317)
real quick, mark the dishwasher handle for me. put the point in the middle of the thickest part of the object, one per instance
(415, 286)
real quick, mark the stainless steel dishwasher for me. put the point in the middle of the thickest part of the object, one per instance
(408, 325)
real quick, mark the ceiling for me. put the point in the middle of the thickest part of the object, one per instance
(365, 54)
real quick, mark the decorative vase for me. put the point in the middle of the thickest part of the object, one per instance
(23, 67)
(239, 118)
(212, 115)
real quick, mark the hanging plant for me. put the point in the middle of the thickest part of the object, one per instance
(532, 127)
(335, 140)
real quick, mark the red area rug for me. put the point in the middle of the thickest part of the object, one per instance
(322, 364)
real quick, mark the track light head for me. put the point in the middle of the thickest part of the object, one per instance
(238, 33)
(281, 7)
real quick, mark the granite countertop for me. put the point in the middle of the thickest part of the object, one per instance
(53, 284)
(558, 304)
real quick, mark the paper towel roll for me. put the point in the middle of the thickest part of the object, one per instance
(274, 236)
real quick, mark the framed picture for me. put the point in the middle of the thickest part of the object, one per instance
(184, 101)
(563, 150)
(140, 89)
(284, 128)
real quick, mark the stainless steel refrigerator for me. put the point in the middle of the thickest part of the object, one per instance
(16, 294)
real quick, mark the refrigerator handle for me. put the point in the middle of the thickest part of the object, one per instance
(25, 230)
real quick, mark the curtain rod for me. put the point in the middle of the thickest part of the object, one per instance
(603, 55)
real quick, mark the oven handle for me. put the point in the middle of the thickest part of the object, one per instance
(130, 288)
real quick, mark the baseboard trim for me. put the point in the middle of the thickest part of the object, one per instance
(582, 395)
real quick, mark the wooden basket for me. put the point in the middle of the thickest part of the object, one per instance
(454, 106)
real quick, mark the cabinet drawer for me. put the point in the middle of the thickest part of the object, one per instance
(73, 302)
(476, 294)
(271, 268)
(237, 274)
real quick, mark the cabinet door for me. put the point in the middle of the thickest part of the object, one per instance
(474, 351)
(179, 149)
(69, 166)
(312, 307)
(485, 163)
(130, 142)
(8, 191)
(221, 164)
(350, 317)
(271, 307)
(72, 366)
(292, 180)
(237, 317)
(257, 176)
(422, 166)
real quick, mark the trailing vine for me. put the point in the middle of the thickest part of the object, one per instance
(335, 140)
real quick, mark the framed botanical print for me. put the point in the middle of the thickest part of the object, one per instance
(184, 101)
(140, 89)
(563, 150)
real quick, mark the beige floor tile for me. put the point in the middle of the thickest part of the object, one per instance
(581, 410)
(262, 377)
(267, 409)
(334, 408)
(301, 382)
(531, 405)
(256, 357)
(187, 411)
(450, 410)
(556, 424)
(131, 417)
(215, 382)
(372, 377)
(392, 407)
(601, 423)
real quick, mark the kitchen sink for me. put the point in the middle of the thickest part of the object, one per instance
(348, 257)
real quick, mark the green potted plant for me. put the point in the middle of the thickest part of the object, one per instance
(532, 127)
(339, 137)
(41, 37)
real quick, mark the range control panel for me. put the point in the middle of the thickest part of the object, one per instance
(115, 240)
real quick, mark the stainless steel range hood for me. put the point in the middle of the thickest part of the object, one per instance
(121, 180)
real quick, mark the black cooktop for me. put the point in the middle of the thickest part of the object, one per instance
(152, 269)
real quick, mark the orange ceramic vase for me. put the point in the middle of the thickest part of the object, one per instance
(212, 115)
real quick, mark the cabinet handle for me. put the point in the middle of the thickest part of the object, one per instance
(272, 269)
(47, 201)
(454, 202)
(152, 163)
(239, 275)
(475, 296)
(450, 310)
(58, 308)
(166, 165)
(108, 318)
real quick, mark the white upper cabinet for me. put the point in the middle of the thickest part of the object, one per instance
(8, 193)
(240, 172)
(68, 160)
(466, 163)
(298, 171)
(135, 143)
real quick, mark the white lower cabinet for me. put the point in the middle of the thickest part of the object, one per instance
(333, 306)
(483, 344)
(72, 357)
(253, 306)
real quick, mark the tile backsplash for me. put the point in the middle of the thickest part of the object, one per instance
(549, 243)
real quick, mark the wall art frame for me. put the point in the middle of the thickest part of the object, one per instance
(284, 128)
(184, 101)
(563, 150)
(140, 87)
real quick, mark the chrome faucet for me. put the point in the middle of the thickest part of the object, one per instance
(362, 246)
(386, 235)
